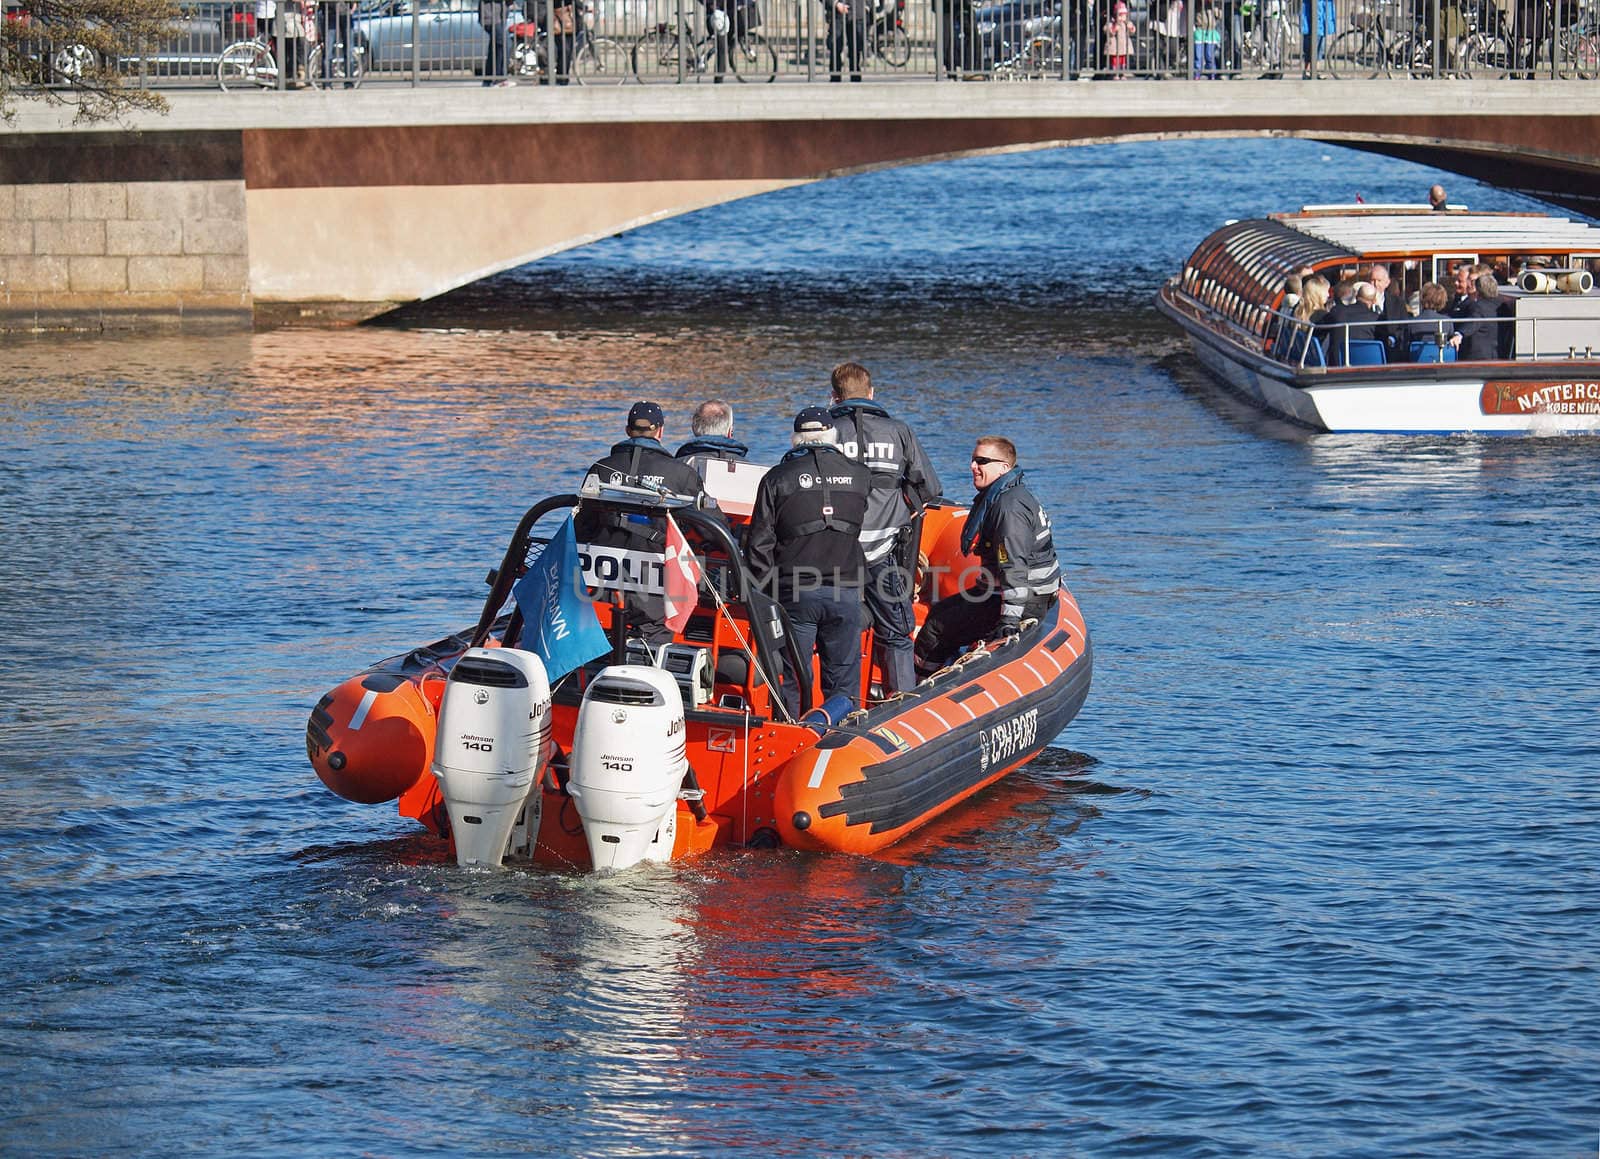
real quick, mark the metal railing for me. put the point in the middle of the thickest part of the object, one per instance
(679, 41)
(1547, 338)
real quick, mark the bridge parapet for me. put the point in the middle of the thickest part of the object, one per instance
(345, 204)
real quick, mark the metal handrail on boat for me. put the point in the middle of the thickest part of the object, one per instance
(712, 530)
(1334, 342)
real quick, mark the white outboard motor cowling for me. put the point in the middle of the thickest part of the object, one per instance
(628, 764)
(491, 745)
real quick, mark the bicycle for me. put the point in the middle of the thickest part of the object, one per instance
(887, 39)
(1579, 48)
(747, 55)
(251, 63)
(1576, 48)
(338, 75)
(1271, 44)
(1037, 52)
(595, 60)
(1377, 46)
(248, 64)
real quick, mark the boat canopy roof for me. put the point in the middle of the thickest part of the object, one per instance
(1392, 231)
(1250, 259)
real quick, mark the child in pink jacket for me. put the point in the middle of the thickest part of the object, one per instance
(1120, 33)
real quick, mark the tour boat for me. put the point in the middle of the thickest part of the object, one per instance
(1230, 301)
(656, 754)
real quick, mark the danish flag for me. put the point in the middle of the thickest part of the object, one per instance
(682, 578)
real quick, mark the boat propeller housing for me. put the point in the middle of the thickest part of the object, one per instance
(628, 764)
(491, 746)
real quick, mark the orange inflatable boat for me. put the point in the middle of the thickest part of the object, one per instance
(638, 755)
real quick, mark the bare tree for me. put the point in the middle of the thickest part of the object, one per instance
(71, 52)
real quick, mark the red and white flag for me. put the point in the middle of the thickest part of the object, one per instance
(682, 578)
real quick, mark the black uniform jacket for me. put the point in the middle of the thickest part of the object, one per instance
(1014, 541)
(636, 463)
(903, 478)
(702, 447)
(806, 526)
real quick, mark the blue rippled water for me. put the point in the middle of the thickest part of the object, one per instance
(1313, 874)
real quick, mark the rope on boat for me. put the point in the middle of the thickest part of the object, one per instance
(981, 652)
(772, 687)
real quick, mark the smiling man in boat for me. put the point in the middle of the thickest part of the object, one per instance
(1010, 534)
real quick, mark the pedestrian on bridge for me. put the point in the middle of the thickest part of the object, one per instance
(847, 34)
(492, 15)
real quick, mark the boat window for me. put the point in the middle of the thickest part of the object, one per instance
(1443, 264)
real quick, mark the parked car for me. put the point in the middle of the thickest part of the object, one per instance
(199, 35)
(446, 35)
(195, 40)
(1020, 36)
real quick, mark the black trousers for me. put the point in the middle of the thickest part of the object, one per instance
(333, 27)
(828, 621)
(845, 36)
(964, 619)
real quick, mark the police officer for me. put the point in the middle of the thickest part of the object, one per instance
(903, 483)
(1010, 534)
(639, 461)
(804, 550)
(712, 424)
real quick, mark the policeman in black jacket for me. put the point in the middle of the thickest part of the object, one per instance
(903, 483)
(712, 425)
(639, 461)
(1010, 534)
(804, 549)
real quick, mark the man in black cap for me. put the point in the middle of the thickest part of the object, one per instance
(639, 461)
(903, 483)
(804, 549)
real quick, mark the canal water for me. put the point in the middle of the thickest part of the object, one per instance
(1314, 873)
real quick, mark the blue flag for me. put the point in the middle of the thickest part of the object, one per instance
(558, 621)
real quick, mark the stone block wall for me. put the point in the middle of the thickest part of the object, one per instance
(123, 254)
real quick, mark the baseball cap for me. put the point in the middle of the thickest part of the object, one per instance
(813, 418)
(646, 414)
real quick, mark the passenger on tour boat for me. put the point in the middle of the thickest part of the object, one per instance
(1291, 291)
(903, 483)
(1462, 278)
(1431, 323)
(1355, 318)
(640, 461)
(1391, 306)
(1010, 534)
(712, 424)
(1481, 337)
(1312, 309)
(803, 548)
(1436, 199)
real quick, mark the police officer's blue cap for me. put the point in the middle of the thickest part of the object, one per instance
(813, 418)
(646, 414)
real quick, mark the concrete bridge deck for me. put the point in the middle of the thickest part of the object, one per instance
(345, 204)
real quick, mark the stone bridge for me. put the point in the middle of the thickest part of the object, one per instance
(342, 205)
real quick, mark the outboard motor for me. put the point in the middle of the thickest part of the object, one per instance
(493, 737)
(628, 764)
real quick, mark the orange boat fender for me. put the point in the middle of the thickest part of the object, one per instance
(371, 738)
